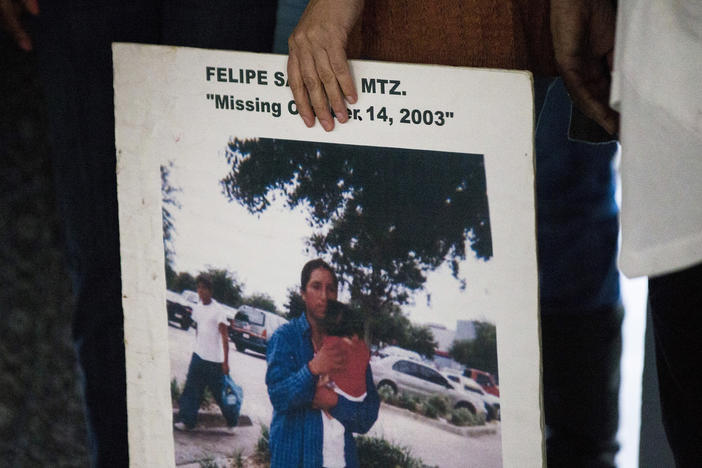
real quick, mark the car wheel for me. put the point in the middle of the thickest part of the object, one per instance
(184, 324)
(466, 405)
(389, 385)
(239, 347)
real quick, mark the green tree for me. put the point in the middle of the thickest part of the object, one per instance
(382, 217)
(295, 305)
(480, 352)
(168, 203)
(226, 287)
(180, 282)
(261, 301)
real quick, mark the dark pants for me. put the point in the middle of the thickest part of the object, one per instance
(201, 374)
(676, 308)
(73, 46)
(581, 387)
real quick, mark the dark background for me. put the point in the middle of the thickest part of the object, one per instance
(41, 412)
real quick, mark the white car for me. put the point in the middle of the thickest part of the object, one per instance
(399, 352)
(491, 402)
(401, 374)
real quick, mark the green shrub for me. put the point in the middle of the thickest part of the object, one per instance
(464, 417)
(429, 410)
(408, 402)
(207, 399)
(263, 449)
(440, 404)
(387, 395)
(175, 392)
(376, 452)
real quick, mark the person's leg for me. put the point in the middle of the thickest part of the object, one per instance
(73, 40)
(189, 403)
(73, 48)
(581, 387)
(676, 308)
(579, 287)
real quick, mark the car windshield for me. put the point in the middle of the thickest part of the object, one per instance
(253, 317)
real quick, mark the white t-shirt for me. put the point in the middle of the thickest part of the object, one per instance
(208, 344)
(333, 442)
(657, 86)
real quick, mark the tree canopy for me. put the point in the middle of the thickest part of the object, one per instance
(480, 352)
(384, 217)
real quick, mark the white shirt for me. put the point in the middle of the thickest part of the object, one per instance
(332, 442)
(657, 86)
(208, 344)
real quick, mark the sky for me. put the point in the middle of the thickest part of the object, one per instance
(267, 251)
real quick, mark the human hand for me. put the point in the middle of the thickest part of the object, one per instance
(330, 358)
(225, 368)
(318, 70)
(10, 13)
(583, 41)
(324, 398)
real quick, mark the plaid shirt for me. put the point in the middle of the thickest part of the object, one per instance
(296, 429)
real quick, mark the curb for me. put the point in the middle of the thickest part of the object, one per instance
(466, 431)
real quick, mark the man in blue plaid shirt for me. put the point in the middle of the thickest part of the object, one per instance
(296, 360)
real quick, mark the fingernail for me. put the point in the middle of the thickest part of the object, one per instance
(326, 124)
(342, 117)
(351, 99)
(309, 121)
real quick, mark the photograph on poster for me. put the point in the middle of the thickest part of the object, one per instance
(405, 232)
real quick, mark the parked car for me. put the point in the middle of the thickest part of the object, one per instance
(179, 310)
(252, 328)
(400, 374)
(485, 379)
(491, 402)
(398, 352)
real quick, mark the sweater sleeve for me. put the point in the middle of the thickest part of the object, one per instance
(290, 382)
(360, 416)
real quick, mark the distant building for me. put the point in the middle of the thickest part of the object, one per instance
(465, 330)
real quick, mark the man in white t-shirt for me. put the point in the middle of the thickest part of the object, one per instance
(210, 360)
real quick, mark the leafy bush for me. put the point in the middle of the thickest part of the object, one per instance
(429, 410)
(408, 402)
(263, 449)
(175, 392)
(464, 417)
(376, 452)
(440, 404)
(207, 399)
(387, 395)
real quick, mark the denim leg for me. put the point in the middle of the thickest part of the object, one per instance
(579, 287)
(189, 402)
(289, 12)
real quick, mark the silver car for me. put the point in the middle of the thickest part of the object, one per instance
(401, 374)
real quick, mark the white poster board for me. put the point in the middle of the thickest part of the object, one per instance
(185, 109)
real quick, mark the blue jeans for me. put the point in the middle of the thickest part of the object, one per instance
(201, 374)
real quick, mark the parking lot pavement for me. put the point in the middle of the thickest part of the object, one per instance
(435, 446)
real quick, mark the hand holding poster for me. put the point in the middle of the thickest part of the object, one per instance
(422, 204)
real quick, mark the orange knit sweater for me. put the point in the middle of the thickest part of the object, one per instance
(511, 34)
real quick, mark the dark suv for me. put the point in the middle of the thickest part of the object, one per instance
(252, 328)
(179, 310)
